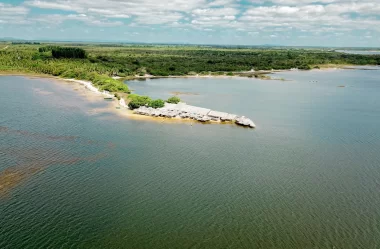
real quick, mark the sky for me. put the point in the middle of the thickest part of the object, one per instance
(353, 23)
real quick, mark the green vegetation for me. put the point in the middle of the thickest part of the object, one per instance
(47, 49)
(40, 60)
(304, 67)
(99, 63)
(182, 60)
(59, 52)
(25, 43)
(158, 103)
(117, 96)
(174, 100)
(134, 60)
(103, 82)
(136, 101)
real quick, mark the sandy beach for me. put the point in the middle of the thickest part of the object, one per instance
(92, 94)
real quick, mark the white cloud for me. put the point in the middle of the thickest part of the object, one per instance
(280, 17)
(60, 5)
(57, 19)
(222, 3)
(316, 16)
(158, 18)
(7, 9)
(13, 14)
(145, 11)
(216, 12)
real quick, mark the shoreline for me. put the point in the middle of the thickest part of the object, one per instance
(323, 67)
(264, 74)
(117, 107)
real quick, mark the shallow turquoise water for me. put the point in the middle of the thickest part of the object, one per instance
(307, 177)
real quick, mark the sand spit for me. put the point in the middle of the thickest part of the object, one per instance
(168, 114)
(91, 87)
(175, 111)
(184, 111)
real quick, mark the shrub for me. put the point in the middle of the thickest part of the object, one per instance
(70, 74)
(104, 82)
(137, 101)
(158, 103)
(174, 100)
(304, 67)
(46, 49)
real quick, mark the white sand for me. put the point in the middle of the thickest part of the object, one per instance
(90, 87)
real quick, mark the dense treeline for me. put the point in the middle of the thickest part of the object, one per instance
(100, 63)
(27, 59)
(47, 49)
(71, 53)
(25, 43)
(164, 61)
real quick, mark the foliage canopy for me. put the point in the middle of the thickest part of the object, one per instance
(98, 63)
(60, 52)
(158, 103)
(174, 100)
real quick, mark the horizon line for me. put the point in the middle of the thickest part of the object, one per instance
(12, 39)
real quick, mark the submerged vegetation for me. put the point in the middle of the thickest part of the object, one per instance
(99, 63)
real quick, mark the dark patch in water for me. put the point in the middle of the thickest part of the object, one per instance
(111, 145)
(37, 135)
(12, 176)
(53, 137)
(31, 159)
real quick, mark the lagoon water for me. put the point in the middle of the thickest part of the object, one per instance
(307, 177)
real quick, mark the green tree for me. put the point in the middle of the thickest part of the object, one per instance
(158, 103)
(59, 52)
(174, 100)
(137, 101)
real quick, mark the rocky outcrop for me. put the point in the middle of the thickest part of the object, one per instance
(181, 110)
(243, 121)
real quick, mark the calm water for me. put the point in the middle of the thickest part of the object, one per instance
(365, 52)
(307, 177)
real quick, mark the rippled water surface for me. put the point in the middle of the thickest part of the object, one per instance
(73, 175)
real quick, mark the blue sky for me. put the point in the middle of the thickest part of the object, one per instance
(241, 22)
